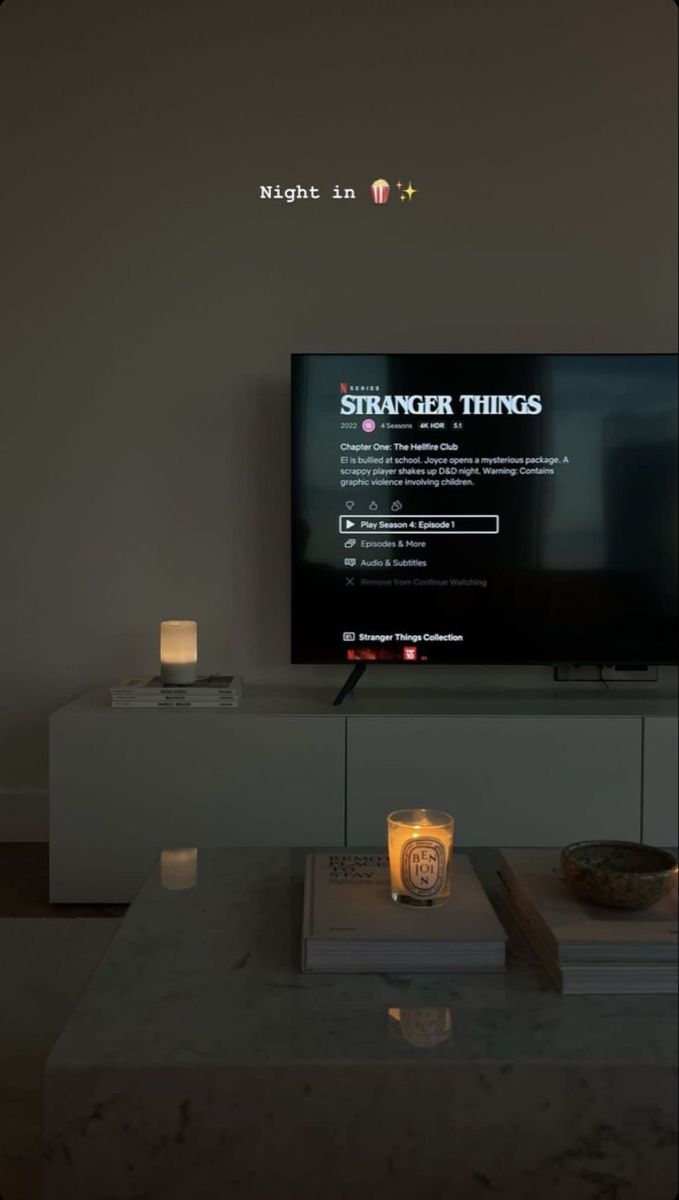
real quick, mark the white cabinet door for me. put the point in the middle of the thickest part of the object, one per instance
(125, 784)
(660, 781)
(512, 781)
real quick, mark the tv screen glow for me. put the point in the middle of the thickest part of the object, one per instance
(467, 508)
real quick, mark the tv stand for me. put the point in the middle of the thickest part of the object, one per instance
(534, 766)
(349, 685)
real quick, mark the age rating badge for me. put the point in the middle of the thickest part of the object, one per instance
(379, 191)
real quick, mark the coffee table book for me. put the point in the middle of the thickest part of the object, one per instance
(209, 691)
(351, 924)
(586, 948)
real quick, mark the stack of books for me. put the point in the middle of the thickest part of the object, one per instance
(351, 924)
(586, 948)
(209, 691)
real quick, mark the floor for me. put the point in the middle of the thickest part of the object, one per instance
(47, 953)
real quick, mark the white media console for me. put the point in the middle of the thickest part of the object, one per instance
(522, 768)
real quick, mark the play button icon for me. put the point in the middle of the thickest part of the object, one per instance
(347, 523)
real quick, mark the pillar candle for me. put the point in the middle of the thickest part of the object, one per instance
(178, 652)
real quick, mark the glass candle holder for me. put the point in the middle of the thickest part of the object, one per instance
(178, 652)
(420, 847)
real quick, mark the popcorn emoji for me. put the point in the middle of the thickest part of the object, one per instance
(379, 191)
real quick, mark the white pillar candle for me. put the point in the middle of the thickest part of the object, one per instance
(179, 868)
(178, 652)
(420, 845)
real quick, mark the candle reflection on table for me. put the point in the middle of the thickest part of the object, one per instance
(423, 1027)
(179, 868)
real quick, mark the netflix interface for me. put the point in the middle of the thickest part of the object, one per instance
(484, 508)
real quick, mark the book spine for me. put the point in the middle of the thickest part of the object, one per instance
(176, 691)
(174, 704)
(161, 697)
(226, 685)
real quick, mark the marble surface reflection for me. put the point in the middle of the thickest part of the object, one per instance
(237, 934)
(422, 1027)
(179, 868)
(199, 1008)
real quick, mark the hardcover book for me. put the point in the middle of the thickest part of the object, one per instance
(209, 691)
(351, 924)
(152, 684)
(586, 947)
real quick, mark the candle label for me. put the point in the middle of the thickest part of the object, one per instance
(423, 866)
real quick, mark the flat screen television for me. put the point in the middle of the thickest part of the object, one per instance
(484, 508)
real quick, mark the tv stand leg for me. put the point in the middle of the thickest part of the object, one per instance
(350, 683)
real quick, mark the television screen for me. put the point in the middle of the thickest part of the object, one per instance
(484, 508)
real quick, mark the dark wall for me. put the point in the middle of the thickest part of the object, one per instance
(151, 299)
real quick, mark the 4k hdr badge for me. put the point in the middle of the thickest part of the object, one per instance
(379, 191)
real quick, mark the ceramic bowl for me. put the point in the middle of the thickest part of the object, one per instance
(618, 874)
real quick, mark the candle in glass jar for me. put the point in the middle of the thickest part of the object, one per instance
(420, 846)
(178, 652)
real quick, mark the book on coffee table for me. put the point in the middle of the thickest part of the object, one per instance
(586, 947)
(351, 924)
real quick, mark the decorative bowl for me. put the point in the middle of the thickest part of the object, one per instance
(618, 874)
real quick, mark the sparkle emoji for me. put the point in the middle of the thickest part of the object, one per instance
(379, 191)
(406, 192)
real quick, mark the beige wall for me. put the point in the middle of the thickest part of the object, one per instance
(150, 300)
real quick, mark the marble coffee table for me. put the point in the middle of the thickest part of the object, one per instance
(199, 1064)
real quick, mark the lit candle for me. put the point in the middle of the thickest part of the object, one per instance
(179, 868)
(420, 843)
(178, 652)
(423, 1027)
